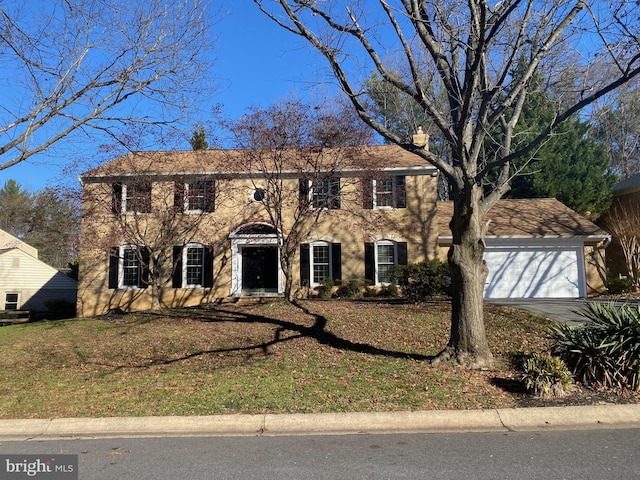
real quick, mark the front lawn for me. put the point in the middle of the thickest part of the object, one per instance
(256, 357)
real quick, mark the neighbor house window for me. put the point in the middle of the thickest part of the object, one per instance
(389, 192)
(192, 266)
(11, 301)
(381, 257)
(129, 267)
(319, 261)
(131, 197)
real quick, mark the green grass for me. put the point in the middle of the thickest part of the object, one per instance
(255, 358)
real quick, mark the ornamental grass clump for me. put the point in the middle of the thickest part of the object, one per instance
(605, 351)
(547, 376)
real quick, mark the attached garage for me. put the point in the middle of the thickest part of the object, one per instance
(535, 271)
(537, 248)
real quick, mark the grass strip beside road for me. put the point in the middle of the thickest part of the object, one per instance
(257, 357)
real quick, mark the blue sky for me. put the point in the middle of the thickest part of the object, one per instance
(258, 63)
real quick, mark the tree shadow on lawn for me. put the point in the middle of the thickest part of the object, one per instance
(317, 332)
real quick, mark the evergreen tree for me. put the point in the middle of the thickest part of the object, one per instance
(569, 166)
(15, 208)
(198, 140)
(46, 220)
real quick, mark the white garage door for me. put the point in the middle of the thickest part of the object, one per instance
(554, 272)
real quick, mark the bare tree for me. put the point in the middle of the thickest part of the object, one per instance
(618, 126)
(76, 65)
(622, 221)
(472, 47)
(144, 224)
(293, 142)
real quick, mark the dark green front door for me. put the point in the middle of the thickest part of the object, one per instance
(259, 269)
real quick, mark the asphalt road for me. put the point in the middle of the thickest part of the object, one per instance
(581, 455)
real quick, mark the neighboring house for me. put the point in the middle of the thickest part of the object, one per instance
(26, 283)
(185, 228)
(622, 220)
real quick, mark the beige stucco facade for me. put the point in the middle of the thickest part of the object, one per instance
(239, 226)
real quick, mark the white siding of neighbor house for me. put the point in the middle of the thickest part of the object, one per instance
(9, 241)
(34, 281)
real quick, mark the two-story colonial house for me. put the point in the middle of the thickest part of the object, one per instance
(182, 228)
(190, 227)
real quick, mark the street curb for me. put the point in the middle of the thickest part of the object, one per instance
(450, 421)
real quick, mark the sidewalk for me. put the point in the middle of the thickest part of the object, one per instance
(518, 419)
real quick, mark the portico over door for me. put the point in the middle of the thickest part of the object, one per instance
(255, 260)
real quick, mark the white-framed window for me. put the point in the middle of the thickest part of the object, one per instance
(11, 301)
(324, 192)
(386, 255)
(136, 197)
(320, 259)
(195, 196)
(193, 257)
(389, 192)
(130, 267)
(379, 259)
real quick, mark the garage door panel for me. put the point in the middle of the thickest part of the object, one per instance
(532, 273)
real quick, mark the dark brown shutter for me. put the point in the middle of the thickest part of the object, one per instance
(208, 267)
(116, 198)
(114, 263)
(176, 278)
(336, 261)
(369, 263)
(178, 196)
(402, 253)
(305, 269)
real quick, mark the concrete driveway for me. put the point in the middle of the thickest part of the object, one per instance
(559, 309)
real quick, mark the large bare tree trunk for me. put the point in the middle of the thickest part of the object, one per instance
(468, 342)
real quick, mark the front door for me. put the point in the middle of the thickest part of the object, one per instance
(259, 269)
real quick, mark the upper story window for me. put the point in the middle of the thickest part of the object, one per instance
(131, 197)
(323, 192)
(129, 267)
(386, 192)
(195, 196)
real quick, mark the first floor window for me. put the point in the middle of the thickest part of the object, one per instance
(321, 265)
(193, 261)
(11, 301)
(192, 266)
(386, 259)
(380, 259)
(129, 267)
(320, 261)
